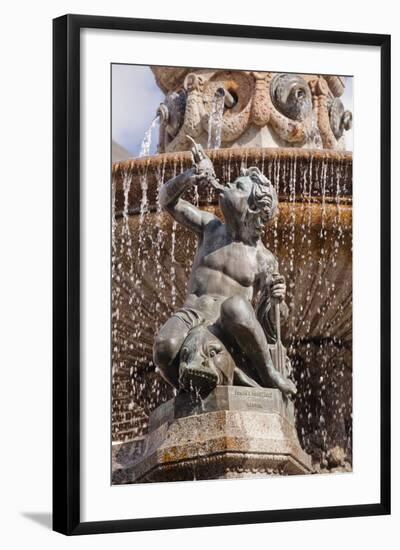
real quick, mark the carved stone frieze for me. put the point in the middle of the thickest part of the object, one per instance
(260, 108)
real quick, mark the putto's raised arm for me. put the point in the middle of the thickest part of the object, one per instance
(171, 191)
(181, 210)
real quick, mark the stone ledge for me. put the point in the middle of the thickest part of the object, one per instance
(223, 398)
(222, 440)
(224, 465)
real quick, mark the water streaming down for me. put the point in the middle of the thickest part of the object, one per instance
(319, 298)
(152, 258)
(146, 142)
(314, 133)
(215, 120)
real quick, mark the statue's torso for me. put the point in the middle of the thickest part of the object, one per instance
(223, 268)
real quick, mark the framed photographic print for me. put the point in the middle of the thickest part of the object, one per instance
(221, 318)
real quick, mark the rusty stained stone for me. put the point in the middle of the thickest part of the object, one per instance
(213, 442)
(294, 172)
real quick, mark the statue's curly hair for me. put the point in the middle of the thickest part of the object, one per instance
(263, 200)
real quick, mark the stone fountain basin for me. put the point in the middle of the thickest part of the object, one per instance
(290, 169)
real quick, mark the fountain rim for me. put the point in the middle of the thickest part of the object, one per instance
(233, 154)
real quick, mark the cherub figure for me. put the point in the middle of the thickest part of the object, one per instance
(231, 268)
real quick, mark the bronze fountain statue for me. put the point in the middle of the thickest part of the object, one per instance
(224, 331)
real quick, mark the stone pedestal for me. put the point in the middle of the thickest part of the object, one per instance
(235, 432)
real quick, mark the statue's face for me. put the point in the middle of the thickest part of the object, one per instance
(234, 199)
(250, 201)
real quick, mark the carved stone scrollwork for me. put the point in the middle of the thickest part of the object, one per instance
(291, 95)
(193, 83)
(171, 113)
(238, 86)
(190, 120)
(340, 120)
(320, 91)
(291, 106)
(169, 78)
(336, 84)
(260, 108)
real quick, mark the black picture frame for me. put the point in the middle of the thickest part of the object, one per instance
(66, 273)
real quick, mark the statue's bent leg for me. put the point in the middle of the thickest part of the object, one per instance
(166, 349)
(239, 320)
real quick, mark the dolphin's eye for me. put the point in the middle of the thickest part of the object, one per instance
(214, 351)
(184, 352)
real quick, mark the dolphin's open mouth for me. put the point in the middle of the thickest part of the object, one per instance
(193, 378)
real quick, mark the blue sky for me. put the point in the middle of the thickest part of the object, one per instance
(135, 98)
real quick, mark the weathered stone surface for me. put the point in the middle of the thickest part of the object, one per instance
(235, 432)
(288, 109)
(122, 453)
(307, 175)
(232, 398)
